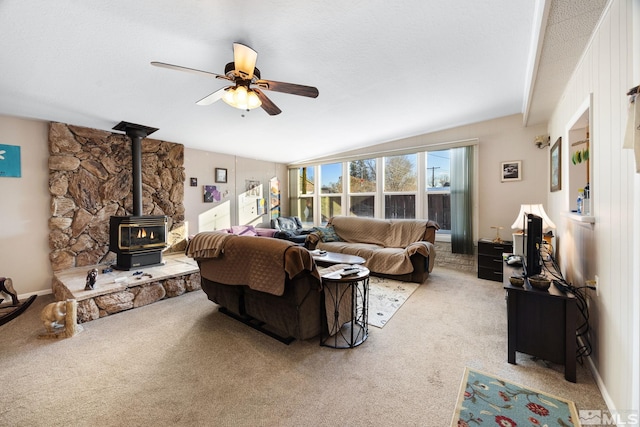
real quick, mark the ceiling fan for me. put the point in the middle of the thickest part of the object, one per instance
(246, 92)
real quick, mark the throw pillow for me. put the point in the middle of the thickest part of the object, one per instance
(327, 234)
(244, 230)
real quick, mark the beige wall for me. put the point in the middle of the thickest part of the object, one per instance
(235, 207)
(24, 235)
(606, 248)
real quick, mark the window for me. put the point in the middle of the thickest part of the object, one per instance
(438, 186)
(362, 179)
(400, 186)
(331, 191)
(307, 180)
(306, 191)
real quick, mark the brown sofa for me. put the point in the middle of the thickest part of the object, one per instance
(272, 285)
(398, 249)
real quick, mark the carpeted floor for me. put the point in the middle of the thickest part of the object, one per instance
(180, 362)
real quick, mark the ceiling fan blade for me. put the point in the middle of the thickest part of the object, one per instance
(189, 70)
(291, 88)
(213, 97)
(245, 60)
(267, 105)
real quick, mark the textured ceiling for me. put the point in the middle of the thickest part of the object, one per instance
(385, 70)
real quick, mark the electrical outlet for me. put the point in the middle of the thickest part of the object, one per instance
(593, 283)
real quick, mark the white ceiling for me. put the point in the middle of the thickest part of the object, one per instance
(385, 70)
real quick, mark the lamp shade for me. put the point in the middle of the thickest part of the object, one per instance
(241, 97)
(547, 224)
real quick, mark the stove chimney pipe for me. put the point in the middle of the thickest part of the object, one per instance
(137, 133)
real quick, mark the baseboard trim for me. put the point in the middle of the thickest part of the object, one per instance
(600, 383)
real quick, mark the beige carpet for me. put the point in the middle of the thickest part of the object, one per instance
(180, 362)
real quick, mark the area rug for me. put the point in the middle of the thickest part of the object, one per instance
(485, 400)
(385, 298)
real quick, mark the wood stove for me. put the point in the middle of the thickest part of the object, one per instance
(137, 240)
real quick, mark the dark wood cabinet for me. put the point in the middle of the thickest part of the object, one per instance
(490, 258)
(541, 323)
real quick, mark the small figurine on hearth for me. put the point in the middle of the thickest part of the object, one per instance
(92, 275)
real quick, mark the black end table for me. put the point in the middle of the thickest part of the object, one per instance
(345, 302)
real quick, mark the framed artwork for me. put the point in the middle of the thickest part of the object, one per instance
(254, 188)
(10, 161)
(511, 171)
(221, 175)
(211, 194)
(555, 160)
(194, 182)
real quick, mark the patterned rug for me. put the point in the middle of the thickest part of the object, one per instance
(485, 400)
(385, 298)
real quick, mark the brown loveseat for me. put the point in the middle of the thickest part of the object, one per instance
(398, 249)
(270, 284)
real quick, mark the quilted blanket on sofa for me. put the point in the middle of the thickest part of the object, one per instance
(387, 245)
(261, 263)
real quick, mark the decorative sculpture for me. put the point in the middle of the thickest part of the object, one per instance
(60, 319)
(497, 239)
(15, 308)
(92, 275)
(53, 316)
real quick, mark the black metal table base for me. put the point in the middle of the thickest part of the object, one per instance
(352, 293)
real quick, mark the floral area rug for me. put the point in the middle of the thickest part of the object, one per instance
(485, 400)
(385, 298)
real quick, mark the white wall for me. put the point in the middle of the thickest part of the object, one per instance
(25, 212)
(605, 249)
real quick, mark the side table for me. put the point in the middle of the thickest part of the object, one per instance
(490, 258)
(541, 323)
(345, 302)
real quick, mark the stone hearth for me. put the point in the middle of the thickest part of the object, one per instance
(118, 291)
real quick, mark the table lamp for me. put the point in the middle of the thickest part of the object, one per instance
(519, 224)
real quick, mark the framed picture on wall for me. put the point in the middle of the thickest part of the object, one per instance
(221, 175)
(556, 165)
(511, 171)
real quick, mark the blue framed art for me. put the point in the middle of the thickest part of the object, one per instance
(9, 161)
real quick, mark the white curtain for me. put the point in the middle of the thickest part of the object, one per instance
(461, 200)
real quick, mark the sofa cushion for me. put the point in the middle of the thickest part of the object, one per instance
(287, 223)
(384, 232)
(327, 234)
(244, 230)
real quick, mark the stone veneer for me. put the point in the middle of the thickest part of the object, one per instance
(118, 291)
(90, 180)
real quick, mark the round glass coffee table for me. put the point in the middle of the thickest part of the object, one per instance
(323, 258)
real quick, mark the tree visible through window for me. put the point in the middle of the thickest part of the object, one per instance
(400, 173)
(362, 176)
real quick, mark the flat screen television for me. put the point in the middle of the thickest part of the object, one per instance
(533, 242)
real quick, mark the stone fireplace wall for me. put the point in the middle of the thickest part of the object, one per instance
(90, 180)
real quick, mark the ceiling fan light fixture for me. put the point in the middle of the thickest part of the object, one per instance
(242, 98)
